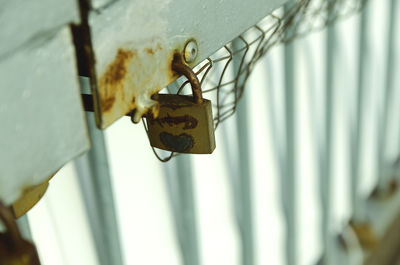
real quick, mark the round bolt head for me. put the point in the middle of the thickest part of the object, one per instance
(190, 51)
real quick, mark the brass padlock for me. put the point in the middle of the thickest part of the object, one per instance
(184, 124)
(14, 250)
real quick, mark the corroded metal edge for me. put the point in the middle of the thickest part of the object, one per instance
(133, 43)
(130, 80)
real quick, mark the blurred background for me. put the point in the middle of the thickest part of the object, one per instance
(267, 195)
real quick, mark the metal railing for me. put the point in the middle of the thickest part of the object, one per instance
(96, 181)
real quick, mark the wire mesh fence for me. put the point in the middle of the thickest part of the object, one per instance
(224, 81)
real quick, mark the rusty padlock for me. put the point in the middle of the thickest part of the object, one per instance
(184, 123)
(14, 250)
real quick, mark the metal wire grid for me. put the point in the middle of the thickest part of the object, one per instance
(218, 74)
(223, 75)
(287, 165)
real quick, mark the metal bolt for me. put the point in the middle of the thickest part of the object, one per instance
(190, 51)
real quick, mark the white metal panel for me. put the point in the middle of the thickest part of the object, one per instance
(42, 121)
(134, 42)
(21, 20)
(97, 4)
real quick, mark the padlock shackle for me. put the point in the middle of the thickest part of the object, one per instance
(181, 68)
(7, 218)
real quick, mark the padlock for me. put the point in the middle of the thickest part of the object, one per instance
(14, 250)
(184, 124)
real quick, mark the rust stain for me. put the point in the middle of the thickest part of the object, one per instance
(171, 74)
(132, 105)
(107, 103)
(112, 82)
(133, 75)
(150, 51)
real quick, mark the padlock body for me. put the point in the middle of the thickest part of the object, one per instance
(182, 126)
(25, 254)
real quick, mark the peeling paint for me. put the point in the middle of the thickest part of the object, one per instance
(135, 63)
(131, 79)
(113, 80)
(152, 31)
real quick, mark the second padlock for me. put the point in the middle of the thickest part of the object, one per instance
(14, 250)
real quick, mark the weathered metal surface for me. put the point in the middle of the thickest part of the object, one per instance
(42, 120)
(119, 92)
(21, 21)
(98, 4)
(182, 125)
(134, 42)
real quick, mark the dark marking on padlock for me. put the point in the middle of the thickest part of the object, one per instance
(113, 80)
(176, 106)
(178, 143)
(189, 121)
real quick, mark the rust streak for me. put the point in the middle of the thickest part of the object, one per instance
(107, 103)
(112, 82)
(150, 51)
